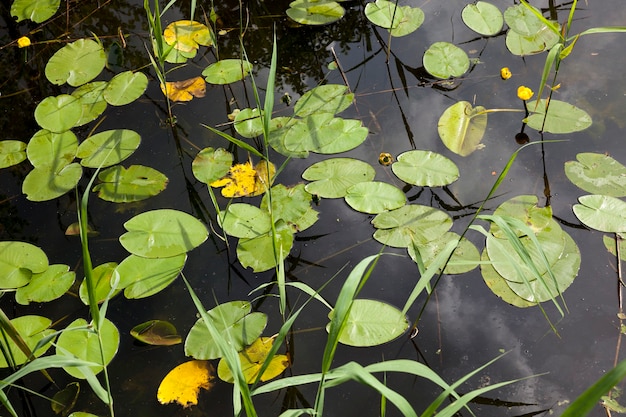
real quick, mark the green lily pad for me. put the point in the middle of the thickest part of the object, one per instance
(483, 18)
(371, 323)
(329, 98)
(244, 220)
(292, 205)
(412, 19)
(464, 258)
(102, 276)
(425, 168)
(413, 222)
(76, 63)
(258, 252)
(84, 344)
(601, 212)
(526, 209)
(499, 286)
(332, 177)
(226, 71)
(35, 10)
(108, 148)
(12, 152)
(523, 21)
(91, 97)
(280, 127)
(597, 174)
(18, 262)
(55, 150)
(234, 321)
(32, 329)
(461, 127)
(138, 182)
(163, 233)
(312, 12)
(143, 277)
(325, 134)
(374, 197)
(46, 183)
(58, 114)
(125, 88)
(156, 333)
(211, 164)
(46, 286)
(562, 117)
(400, 21)
(609, 244)
(445, 60)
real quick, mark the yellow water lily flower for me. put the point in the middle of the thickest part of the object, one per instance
(505, 73)
(23, 42)
(524, 93)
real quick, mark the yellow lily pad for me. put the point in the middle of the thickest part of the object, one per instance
(187, 35)
(185, 90)
(183, 383)
(252, 359)
(243, 180)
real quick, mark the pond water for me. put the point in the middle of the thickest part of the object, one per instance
(463, 326)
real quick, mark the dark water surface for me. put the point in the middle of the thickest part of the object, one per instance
(464, 325)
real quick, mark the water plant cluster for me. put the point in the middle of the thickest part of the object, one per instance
(526, 257)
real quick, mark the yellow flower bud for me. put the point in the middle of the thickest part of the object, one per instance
(524, 93)
(505, 73)
(385, 159)
(23, 42)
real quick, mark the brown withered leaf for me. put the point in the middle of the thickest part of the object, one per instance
(185, 90)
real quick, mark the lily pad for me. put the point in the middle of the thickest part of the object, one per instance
(499, 286)
(48, 149)
(526, 209)
(143, 277)
(58, 114)
(226, 71)
(292, 205)
(76, 63)
(125, 88)
(315, 12)
(258, 252)
(12, 152)
(425, 168)
(597, 174)
(18, 262)
(211, 164)
(35, 10)
(325, 134)
(156, 333)
(108, 148)
(400, 21)
(183, 383)
(184, 90)
(102, 276)
(46, 286)
(162, 233)
(244, 220)
(332, 177)
(234, 320)
(32, 329)
(522, 20)
(461, 127)
(374, 197)
(445, 60)
(530, 45)
(91, 97)
(609, 244)
(187, 35)
(601, 212)
(329, 98)
(252, 360)
(483, 18)
(372, 323)
(138, 182)
(464, 258)
(410, 22)
(562, 117)
(47, 183)
(413, 222)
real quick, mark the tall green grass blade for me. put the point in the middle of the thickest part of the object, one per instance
(8, 330)
(4, 400)
(604, 29)
(583, 405)
(552, 60)
(570, 17)
(236, 141)
(298, 412)
(280, 279)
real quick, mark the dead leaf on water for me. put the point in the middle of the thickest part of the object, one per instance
(185, 90)
(243, 180)
(182, 384)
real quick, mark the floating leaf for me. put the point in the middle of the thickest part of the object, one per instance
(76, 63)
(410, 22)
(601, 212)
(32, 330)
(244, 221)
(108, 148)
(138, 182)
(312, 12)
(18, 262)
(42, 184)
(530, 45)
(242, 180)
(461, 127)
(597, 174)
(609, 244)
(35, 10)
(252, 359)
(102, 276)
(292, 205)
(156, 332)
(64, 400)
(526, 209)
(483, 18)
(399, 227)
(125, 88)
(12, 152)
(400, 21)
(226, 71)
(58, 114)
(91, 98)
(162, 233)
(329, 98)
(46, 286)
(445, 60)
(371, 323)
(425, 168)
(323, 133)
(184, 90)
(374, 197)
(562, 117)
(522, 20)
(332, 177)
(499, 286)
(183, 383)
(47, 149)
(211, 164)
(464, 258)
(187, 35)
(235, 323)
(83, 343)
(279, 127)
(258, 253)
(143, 277)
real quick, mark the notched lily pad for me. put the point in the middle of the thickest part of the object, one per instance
(156, 332)
(226, 71)
(76, 63)
(597, 174)
(315, 12)
(445, 60)
(12, 152)
(122, 185)
(461, 127)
